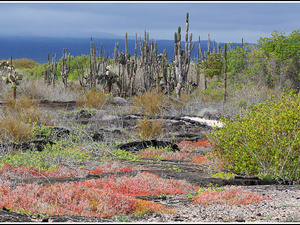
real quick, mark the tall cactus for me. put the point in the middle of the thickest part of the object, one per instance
(50, 70)
(65, 67)
(182, 57)
(82, 75)
(148, 58)
(13, 78)
(225, 73)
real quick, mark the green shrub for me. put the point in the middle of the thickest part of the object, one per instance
(223, 175)
(211, 95)
(265, 143)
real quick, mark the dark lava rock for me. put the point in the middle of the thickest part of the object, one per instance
(84, 114)
(7, 216)
(97, 137)
(140, 145)
(38, 145)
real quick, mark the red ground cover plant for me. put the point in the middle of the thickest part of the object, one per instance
(102, 197)
(187, 152)
(230, 196)
(8, 171)
(199, 143)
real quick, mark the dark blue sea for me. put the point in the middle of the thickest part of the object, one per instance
(38, 48)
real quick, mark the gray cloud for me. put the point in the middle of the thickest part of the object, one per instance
(226, 22)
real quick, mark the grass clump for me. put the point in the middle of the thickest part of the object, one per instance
(92, 100)
(18, 118)
(24, 109)
(265, 143)
(149, 103)
(149, 130)
(15, 131)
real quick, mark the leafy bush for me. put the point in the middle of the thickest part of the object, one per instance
(266, 142)
(92, 99)
(211, 95)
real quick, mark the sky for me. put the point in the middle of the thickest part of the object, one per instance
(223, 21)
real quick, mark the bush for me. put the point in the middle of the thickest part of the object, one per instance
(24, 63)
(92, 100)
(14, 131)
(24, 109)
(149, 129)
(265, 143)
(150, 103)
(18, 120)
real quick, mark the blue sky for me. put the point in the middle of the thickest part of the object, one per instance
(224, 21)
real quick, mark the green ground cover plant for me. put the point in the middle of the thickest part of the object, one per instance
(266, 142)
(48, 159)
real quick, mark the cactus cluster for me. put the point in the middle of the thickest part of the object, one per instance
(154, 69)
(50, 71)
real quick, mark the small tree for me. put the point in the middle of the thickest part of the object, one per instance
(13, 78)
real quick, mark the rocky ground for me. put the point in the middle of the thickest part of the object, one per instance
(284, 206)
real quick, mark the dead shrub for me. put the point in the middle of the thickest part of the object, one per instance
(92, 100)
(15, 131)
(150, 103)
(24, 109)
(176, 103)
(149, 130)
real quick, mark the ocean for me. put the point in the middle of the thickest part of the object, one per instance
(38, 48)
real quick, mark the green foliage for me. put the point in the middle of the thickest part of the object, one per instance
(24, 63)
(211, 95)
(13, 78)
(223, 175)
(213, 66)
(266, 142)
(123, 218)
(125, 155)
(284, 51)
(236, 59)
(211, 187)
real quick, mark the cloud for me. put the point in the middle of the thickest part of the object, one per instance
(225, 21)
